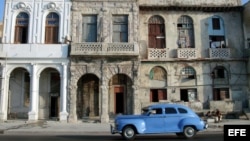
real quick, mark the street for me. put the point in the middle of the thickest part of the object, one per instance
(198, 137)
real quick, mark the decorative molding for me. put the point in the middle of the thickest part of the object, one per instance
(22, 6)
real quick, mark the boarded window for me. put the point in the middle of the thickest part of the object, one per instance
(221, 94)
(158, 94)
(185, 32)
(89, 28)
(21, 28)
(156, 32)
(158, 73)
(120, 28)
(52, 28)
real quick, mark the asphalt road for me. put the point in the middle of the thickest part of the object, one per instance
(198, 137)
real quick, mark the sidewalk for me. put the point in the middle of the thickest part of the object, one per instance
(85, 128)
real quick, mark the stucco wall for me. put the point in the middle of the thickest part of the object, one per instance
(233, 32)
(192, 2)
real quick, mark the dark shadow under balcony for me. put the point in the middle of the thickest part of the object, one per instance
(104, 49)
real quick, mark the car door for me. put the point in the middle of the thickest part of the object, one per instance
(154, 122)
(172, 119)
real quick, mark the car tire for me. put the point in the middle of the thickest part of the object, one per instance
(189, 132)
(128, 133)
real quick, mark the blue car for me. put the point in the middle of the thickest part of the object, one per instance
(159, 119)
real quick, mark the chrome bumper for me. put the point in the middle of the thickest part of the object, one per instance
(206, 125)
(112, 129)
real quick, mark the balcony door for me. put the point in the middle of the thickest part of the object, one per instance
(156, 35)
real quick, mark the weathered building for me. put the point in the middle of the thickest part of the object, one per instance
(189, 51)
(94, 59)
(34, 60)
(193, 51)
(246, 26)
(104, 59)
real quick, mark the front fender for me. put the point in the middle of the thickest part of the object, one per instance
(138, 124)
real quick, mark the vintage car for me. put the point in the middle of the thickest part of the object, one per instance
(159, 119)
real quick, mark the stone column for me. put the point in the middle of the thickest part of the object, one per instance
(72, 96)
(104, 104)
(33, 114)
(4, 95)
(136, 102)
(63, 96)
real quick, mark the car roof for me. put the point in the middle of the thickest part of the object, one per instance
(168, 105)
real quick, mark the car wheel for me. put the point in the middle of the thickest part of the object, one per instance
(189, 132)
(128, 133)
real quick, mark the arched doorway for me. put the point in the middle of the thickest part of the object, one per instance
(49, 94)
(88, 97)
(19, 94)
(121, 95)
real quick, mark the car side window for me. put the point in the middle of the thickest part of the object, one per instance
(156, 111)
(182, 111)
(170, 111)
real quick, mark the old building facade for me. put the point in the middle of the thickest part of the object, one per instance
(187, 53)
(199, 50)
(94, 59)
(104, 59)
(34, 60)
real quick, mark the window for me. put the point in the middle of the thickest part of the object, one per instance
(158, 94)
(170, 111)
(156, 32)
(157, 111)
(182, 111)
(188, 95)
(185, 32)
(21, 28)
(52, 28)
(216, 23)
(188, 73)
(219, 72)
(221, 93)
(217, 41)
(158, 73)
(120, 28)
(89, 28)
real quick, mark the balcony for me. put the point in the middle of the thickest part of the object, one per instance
(157, 53)
(187, 53)
(104, 49)
(219, 53)
(33, 50)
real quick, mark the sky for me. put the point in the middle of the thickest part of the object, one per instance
(2, 8)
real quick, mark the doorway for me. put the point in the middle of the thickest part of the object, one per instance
(54, 108)
(119, 100)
